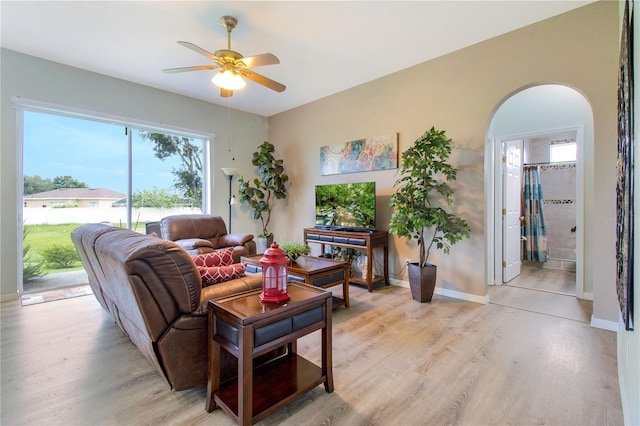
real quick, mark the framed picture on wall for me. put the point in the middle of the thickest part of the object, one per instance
(625, 184)
(362, 155)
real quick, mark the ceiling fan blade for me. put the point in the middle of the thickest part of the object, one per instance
(194, 68)
(224, 93)
(260, 60)
(261, 79)
(199, 50)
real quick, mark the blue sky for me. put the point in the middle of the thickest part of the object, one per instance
(91, 152)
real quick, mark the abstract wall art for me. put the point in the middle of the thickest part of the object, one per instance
(625, 184)
(362, 155)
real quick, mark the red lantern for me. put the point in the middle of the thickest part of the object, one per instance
(274, 275)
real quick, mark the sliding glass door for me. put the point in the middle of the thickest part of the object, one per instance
(166, 175)
(78, 171)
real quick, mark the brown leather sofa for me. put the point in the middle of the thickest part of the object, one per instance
(153, 290)
(204, 233)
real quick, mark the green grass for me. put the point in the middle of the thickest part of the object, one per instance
(41, 237)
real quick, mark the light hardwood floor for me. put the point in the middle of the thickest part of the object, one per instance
(544, 279)
(396, 362)
(546, 291)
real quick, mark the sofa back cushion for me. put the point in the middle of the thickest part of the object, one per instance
(84, 238)
(150, 280)
(189, 226)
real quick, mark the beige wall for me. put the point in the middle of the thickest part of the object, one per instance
(459, 92)
(44, 81)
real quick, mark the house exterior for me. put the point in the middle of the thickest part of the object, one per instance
(73, 197)
(458, 92)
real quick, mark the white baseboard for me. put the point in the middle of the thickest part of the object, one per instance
(8, 297)
(399, 283)
(595, 322)
(448, 293)
(604, 324)
(587, 296)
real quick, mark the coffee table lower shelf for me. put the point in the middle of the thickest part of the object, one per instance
(337, 302)
(275, 384)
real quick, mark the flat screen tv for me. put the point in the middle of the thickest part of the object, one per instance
(346, 206)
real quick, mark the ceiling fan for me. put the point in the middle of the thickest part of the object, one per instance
(232, 65)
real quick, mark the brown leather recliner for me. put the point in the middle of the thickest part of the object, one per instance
(153, 290)
(204, 233)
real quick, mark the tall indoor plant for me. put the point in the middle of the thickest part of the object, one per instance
(269, 186)
(420, 207)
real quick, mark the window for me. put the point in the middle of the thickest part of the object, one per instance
(561, 152)
(128, 176)
(96, 170)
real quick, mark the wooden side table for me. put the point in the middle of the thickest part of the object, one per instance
(247, 328)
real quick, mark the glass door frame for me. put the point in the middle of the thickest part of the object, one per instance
(21, 105)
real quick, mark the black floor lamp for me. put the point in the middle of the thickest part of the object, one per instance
(230, 172)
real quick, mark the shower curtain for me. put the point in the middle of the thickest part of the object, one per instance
(534, 229)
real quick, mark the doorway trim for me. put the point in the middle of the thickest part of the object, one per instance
(493, 203)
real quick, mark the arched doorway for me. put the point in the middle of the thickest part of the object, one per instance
(540, 111)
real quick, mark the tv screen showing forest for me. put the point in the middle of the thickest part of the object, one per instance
(346, 205)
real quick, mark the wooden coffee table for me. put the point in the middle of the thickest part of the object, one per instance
(248, 328)
(315, 271)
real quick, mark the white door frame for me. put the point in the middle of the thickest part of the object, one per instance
(512, 167)
(493, 204)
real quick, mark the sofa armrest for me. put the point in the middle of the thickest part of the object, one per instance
(248, 282)
(194, 243)
(237, 239)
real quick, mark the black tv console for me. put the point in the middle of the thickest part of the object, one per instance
(359, 240)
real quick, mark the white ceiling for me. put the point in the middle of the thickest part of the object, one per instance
(324, 47)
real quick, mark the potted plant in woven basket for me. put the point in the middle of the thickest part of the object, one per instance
(420, 207)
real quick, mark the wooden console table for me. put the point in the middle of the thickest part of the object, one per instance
(365, 241)
(248, 328)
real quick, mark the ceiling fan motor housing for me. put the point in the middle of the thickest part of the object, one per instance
(228, 55)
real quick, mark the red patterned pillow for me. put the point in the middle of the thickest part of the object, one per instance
(222, 257)
(219, 274)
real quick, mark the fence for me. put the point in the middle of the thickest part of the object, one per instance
(114, 215)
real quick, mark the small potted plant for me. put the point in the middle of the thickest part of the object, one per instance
(346, 254)
(261, 193)
(294, 249)
(420, 207)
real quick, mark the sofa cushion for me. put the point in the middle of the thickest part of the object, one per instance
(222, 257)
(218, 274)
(235, 239)
(186, 226)
(197, 244)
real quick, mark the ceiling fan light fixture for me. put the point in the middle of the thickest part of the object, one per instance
(234, 68)
(228, 80)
